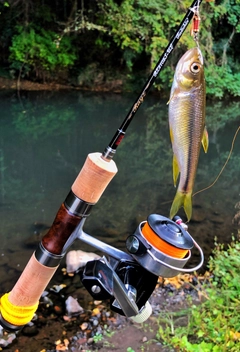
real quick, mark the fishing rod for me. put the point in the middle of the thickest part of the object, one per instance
(120, 133)
(17, 307)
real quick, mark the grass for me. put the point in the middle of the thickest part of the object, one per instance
(214, 325)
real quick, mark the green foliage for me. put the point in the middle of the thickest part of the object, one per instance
(221, 82)
(214, 325)
(40, 50)
(145, 27)
(130, 349)
(141, 26)
(98, 337)
(127, 35)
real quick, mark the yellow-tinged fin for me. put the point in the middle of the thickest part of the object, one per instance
(175, 170)
(205, 141)
(170, 99)
(182, 200)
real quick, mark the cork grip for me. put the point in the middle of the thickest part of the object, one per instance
(89, 185)
(31, 283)
(94, 177)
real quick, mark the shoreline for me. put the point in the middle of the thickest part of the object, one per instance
(96, 328)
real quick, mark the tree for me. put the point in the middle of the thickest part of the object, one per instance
(146, 26)
(121, 35)
(41, 50)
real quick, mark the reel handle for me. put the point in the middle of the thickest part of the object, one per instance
(19, 306)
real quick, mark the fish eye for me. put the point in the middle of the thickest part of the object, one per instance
(195, 68)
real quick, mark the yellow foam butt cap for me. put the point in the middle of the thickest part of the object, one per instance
(16, 315)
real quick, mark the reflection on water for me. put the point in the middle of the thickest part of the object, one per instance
(44, 140)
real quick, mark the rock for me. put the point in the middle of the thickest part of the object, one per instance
(57, 288)
(77, 259)
(4, 342)
(73, 307)
(84, 326)
(5, 338)
(30, 330)
(58, 310)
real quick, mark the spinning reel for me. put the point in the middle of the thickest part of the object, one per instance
(158, 247)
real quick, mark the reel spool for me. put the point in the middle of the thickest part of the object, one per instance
(162, 246)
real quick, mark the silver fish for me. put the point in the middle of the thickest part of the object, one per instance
(187, 126)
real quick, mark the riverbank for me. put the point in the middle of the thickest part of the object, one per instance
(96, 328)
(6, 83)
(112, 85)
(190, 313)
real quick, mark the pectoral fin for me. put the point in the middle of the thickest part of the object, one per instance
(171, 97)
(174, 91)
(175, 170)
(205, 141)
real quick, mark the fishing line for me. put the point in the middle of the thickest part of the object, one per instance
(162, 245)
(221, 171)
(225, 164)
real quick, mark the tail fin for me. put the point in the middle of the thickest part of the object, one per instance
(182, 200)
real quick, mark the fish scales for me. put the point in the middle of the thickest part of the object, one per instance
(188, 134)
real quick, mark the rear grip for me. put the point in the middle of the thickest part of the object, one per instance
(18, 306)
(31, 284)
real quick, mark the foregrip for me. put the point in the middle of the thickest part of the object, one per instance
(18, 307)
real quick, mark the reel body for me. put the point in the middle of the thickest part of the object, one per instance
(98, 279)
(158, 247)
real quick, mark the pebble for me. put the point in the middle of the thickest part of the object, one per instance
(48, 301)
(84, 326)
(96, 311)
(90, 341)
(95, 322)
(58, 310)
(7, 340)
(77, 259)
(73, 307)
(57, 288)
(97, 303)
(96, 318)
(30, 330)
(82, 341)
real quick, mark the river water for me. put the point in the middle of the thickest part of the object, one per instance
(44, 140)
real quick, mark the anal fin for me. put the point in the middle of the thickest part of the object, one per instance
(205, 140)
